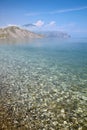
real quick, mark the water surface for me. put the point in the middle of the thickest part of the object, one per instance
(43, 85)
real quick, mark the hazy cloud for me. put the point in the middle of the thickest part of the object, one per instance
(52, 23)
(39, 23)
(13, 25)
(68, 10)
(67, 27)
(57, 11)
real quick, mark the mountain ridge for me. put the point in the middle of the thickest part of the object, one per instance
(16, 34)
(55, 34)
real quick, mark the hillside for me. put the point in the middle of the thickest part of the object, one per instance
(55, 34)
(16, 34)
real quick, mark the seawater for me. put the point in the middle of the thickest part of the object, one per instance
(43, 85)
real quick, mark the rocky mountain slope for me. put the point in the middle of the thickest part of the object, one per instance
(16, 34)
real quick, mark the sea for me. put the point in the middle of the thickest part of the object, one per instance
(43, 85)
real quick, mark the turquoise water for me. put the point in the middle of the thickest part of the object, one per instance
(43, 85)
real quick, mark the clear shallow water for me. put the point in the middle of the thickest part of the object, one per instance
(43, 85)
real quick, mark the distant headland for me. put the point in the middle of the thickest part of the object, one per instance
(15, 34)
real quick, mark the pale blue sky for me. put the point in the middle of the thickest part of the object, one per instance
(62, 15)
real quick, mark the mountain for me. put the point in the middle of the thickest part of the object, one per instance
(28, 25)
(55, 34)
(16, 34)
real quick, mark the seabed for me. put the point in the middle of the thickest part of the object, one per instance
(41, 93)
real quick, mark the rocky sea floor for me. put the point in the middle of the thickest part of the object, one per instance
(41, 92)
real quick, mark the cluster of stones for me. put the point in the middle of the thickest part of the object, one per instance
(34, 96)
(39, 108)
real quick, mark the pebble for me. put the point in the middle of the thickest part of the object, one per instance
(62, 111)
(39, 104)
(55, 123)
(80, 128)
(65, 122)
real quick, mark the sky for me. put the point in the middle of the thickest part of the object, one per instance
(46, 15)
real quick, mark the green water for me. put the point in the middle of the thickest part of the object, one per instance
(43, 85)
